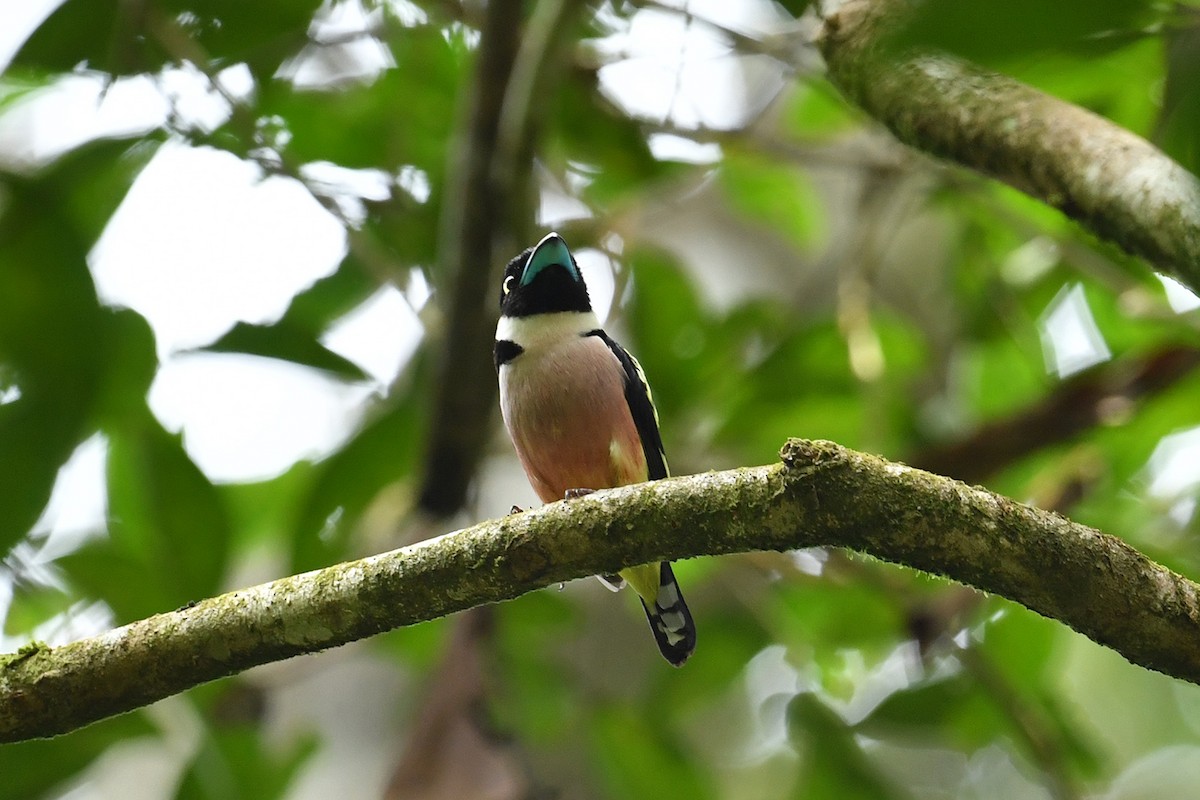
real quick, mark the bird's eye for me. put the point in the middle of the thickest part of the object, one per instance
(508, 284)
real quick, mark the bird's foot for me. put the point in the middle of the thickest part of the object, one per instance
(516, 510)
(571, 494)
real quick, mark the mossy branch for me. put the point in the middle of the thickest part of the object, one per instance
(820, 494)
(1113, 182)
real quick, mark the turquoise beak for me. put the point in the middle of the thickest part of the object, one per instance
(550, 251)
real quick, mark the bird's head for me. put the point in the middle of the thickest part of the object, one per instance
(543, 279)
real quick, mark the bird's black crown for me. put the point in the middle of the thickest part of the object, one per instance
(549, 287)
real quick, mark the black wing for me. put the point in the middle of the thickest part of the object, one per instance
(641, 406)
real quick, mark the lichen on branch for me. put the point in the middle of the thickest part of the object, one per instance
(820, 494)
(1111, 181)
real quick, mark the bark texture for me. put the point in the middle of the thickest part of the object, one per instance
(1112, 181)
(820, 494)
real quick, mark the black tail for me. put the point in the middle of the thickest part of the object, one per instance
(670, 619)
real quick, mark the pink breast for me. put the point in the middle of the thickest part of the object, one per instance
(565, 407)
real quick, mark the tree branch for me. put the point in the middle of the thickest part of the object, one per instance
(1073, 407)
(821, 494)
(1115, 183)
(472, 213)
(487, 210)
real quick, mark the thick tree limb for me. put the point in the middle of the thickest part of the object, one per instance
(821, 494)
(1115, 183)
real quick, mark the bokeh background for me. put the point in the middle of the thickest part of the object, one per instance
(239, 242)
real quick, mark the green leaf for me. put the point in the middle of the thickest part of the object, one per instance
(169, 530)
(835, 766)
(17, 85)
(1020, 644)
(32, 605)
(132, 362)
(133, 586)
(106, 35)
(166, 514)
(670, 334)
(320, 305)
(421, 90)
(54, 336)
(260, 34)
(1178, 128)
(638, 758)
(382, 453)
(533, 637)
(955, 710)
(1111, 84)
(796, 7)
(287, 342)
(816, 110)
(419, 647)
(115, 37)
(260, 511)
(235, 763)
(33, 768)
(987, 30)
(585, 131)
(803, 385)
(854, 615)
(37, 435)
(729, 638)
(775, 197)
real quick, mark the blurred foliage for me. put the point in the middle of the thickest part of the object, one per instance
(802, 276)
(994, 30)
(1178, 129)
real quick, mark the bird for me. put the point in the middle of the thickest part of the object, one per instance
(580, 413)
